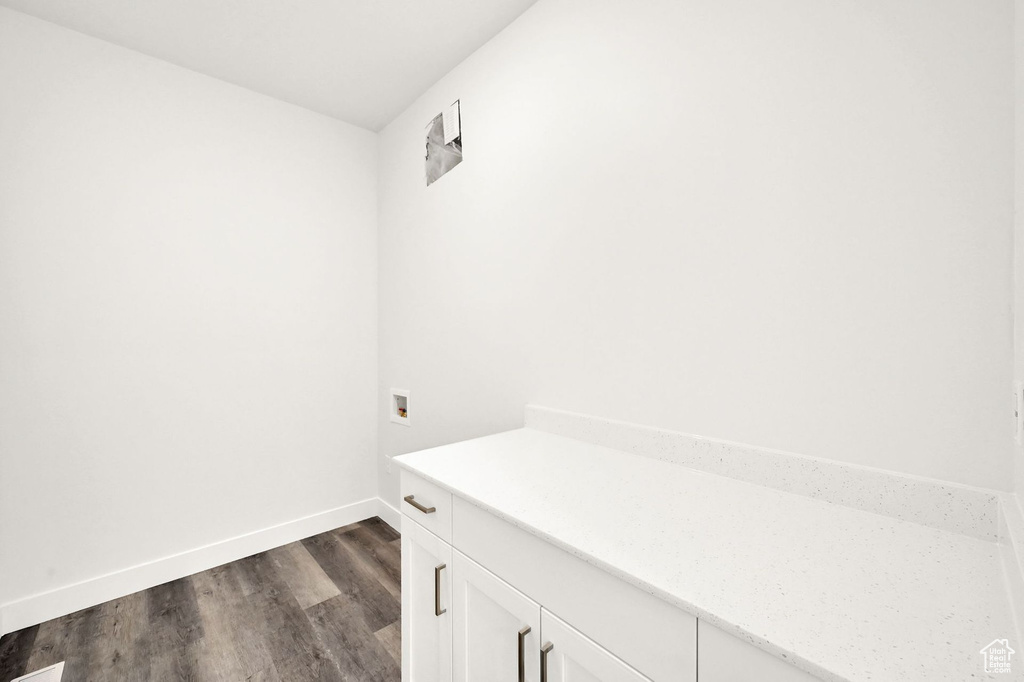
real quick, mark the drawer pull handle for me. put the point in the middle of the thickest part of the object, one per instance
(522, 654)
(437, 589)
(544, 651)
(412, 500)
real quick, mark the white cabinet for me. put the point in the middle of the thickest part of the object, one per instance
(426, 605)
(497, 629)
(568, 655)
(723, 658)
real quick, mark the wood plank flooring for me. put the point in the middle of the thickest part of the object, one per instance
(326, 608)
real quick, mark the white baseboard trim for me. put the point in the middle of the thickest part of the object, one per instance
(64, 600)
(389, 515)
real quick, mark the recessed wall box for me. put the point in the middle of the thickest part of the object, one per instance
(400, 406)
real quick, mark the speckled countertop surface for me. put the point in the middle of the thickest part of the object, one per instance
(844, 594)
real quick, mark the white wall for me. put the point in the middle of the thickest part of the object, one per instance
(187, 310)
(1018, 185)
(786, 224)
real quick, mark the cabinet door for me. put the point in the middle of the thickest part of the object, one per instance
(426, 605)
(567, 655)
(496, 627)
(723, 658)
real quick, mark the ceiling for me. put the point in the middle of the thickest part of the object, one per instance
(361, 61)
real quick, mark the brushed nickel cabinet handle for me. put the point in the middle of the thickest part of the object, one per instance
(522, 654)
(412, 500)
(437, 589)
(544, 651)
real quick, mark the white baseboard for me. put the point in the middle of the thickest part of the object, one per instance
(64, 600)
(389, 515)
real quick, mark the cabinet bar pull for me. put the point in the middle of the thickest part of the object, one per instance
(412, 500)
(522, 655)
(437, 589)
(544, 651)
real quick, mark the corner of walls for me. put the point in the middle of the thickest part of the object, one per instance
(381, 457)
(377, 468)
(389, 514)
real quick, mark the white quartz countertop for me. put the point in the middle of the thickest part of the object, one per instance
(844, 594)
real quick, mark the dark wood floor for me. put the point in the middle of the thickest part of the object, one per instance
(326, 608)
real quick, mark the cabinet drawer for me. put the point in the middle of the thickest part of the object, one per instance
(648, 634)
(428, 504)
